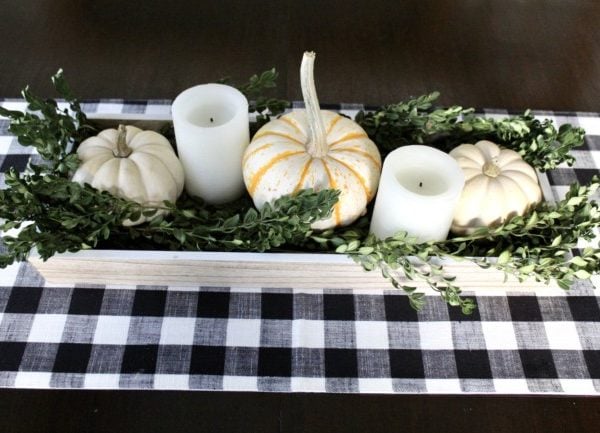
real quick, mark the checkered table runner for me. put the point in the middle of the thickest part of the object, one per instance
(231, 338)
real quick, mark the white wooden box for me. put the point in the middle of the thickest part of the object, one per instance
(251, 270)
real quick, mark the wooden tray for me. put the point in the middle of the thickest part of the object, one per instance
(251, 270)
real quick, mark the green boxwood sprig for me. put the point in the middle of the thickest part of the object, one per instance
(418, 121)
(58, 215)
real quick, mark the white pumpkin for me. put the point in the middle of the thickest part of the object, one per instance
(498, 186)
(130, 163)
(316, 149)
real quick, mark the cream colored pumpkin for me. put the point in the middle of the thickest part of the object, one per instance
(130, 163)
(316, 149)
(498, 185)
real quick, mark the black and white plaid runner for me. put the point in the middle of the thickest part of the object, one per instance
(232, 338)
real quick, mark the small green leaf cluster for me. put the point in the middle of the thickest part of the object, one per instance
(539, 245)
(55, 214)
(49, 129)
(415, 261)
(417, 122)
(539, 142)
(401, 259)
(58, 215)
(191, 225)
(255, 90)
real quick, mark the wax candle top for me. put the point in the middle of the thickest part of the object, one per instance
(422, 181)
(419, 189)
(426, 171)
(211, 116)
(209, 105)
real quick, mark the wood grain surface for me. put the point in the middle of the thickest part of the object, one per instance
(216, 412)
(515, 54)
(322, 271)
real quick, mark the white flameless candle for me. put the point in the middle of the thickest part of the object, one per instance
(418, 191)
(212, 131)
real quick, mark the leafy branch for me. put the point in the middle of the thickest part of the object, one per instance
(255, 90)
(539, 142)
(539, 244)
(411, 122)
(49, 129)
(59, 215)
(286, 221)
(395, 257)
(417, 121)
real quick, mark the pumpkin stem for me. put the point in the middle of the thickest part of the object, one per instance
(317, 144)
(123, 151)
(491, 169)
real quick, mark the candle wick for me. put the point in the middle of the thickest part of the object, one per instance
(420, 184)
(211, 120)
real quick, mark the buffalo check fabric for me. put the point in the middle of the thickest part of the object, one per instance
(289, 340)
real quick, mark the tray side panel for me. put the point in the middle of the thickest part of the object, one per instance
(268, 273)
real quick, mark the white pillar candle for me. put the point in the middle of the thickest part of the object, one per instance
(418, 191)
(212, 131)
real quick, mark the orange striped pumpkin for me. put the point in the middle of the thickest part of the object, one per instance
(317, 149)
